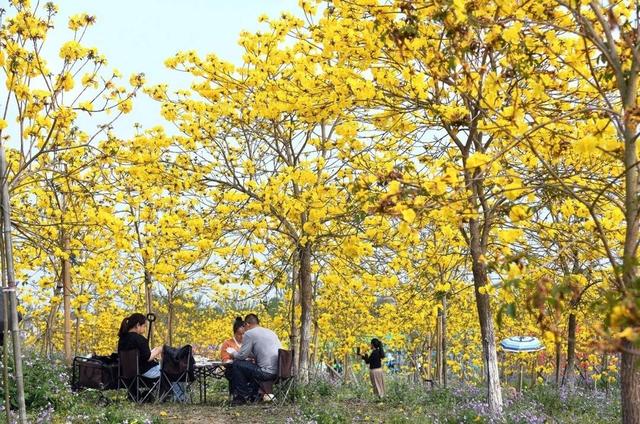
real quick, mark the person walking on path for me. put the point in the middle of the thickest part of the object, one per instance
(374, 359)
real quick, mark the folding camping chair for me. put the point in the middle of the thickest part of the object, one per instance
(177, 368)
(139, 388)
(285, 379)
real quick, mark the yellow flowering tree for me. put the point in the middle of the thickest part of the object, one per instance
(39, 114)
(586, 143)
(438, 80)
(267, 134)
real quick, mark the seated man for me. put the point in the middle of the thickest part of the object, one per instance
(262, 345)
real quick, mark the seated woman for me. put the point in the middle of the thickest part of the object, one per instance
(234, 343)
(131, 337)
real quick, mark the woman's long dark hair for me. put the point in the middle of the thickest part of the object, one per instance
(378, 345)
(237, 324)
(129, 322)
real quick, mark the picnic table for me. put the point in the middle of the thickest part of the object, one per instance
(206, 369)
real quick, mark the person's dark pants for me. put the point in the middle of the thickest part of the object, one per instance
(244, 380)
(228, 371)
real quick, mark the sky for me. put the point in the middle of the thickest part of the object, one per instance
(138, 35)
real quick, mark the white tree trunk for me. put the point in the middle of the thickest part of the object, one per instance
(306, 304)
(489, 353)
(11, 287)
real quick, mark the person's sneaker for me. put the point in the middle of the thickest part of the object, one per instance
(268, 397)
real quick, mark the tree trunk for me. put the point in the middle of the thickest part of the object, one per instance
(293, 335)
(148, 296)
(629, 366)
(5, 358)
(66, 295)
(533, 372)
(51, 320)
(444, 341)
(5, 334)
(306, 303)
(489, 353)
(558, 347)
(429, 369)
(314, 356)
(439, 348)
(11, 287)
(346, 369)
(148, 286)
(76, 348)
(169, 319)
(569, 372)
(605, 366)
(464, 362)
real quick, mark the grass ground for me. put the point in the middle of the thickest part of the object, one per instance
(325, 403)
(345, 406)
(49, 400)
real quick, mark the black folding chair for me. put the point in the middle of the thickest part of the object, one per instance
(282, 386)
(177, 368)
(286, 377)
(139, 388)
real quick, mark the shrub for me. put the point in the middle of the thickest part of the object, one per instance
(46, 384)
(319, 388)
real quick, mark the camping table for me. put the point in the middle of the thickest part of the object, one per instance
(205, 370)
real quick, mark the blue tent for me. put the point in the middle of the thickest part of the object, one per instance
(521, 344)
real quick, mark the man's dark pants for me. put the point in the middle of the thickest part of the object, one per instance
(228, 372)
(244, 377)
